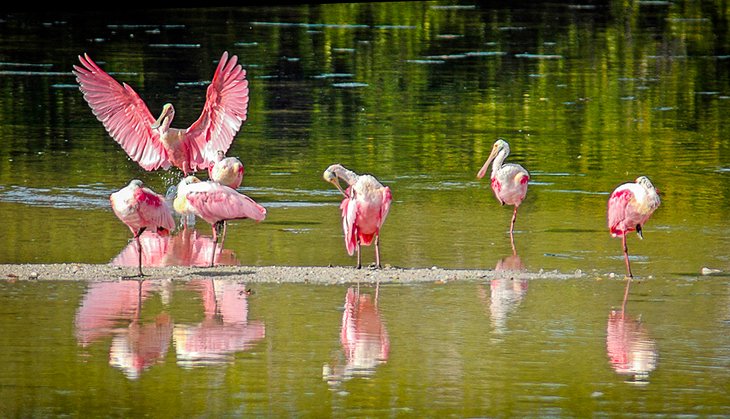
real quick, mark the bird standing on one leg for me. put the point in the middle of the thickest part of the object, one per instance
(140, 208)
(215, 203)
(629, 207)
(509, 181)
(364, 209)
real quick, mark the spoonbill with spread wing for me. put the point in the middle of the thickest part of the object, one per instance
(152, 142)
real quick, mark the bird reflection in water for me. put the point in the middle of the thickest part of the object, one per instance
(224, 330)
(186, 248)
(506, 291)
(363, 336)
(629, 347)
(104, 310)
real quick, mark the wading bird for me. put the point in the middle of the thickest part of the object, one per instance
(152, 142)
(226, 170)
(509, 181)
(629, 207)
(364, 209)
(140, 208)
(215, 203)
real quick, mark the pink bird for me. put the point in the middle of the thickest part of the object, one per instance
(140, 208)
(226, 170)
(215, 203)
(364, 209)
(629, 207)
(509, 181)
(153, 143)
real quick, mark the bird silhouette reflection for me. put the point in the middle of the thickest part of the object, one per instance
(630, 349)
(224, 330)
(185, 248)
(363, 336)
(112, 309)
(506, 291)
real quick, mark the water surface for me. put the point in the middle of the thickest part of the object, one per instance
(505, 348)
(588, 96)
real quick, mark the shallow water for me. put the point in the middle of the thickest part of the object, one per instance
(588, 96)
(214, 347)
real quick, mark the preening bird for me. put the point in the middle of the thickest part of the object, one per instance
(226, 170)
(216, 204)
(364, 209)
(153, 143)
(509, 181)
(140, 208)
(629, 207)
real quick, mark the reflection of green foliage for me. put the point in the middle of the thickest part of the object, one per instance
(601, 94)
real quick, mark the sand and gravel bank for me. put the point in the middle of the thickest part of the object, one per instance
(264, 274)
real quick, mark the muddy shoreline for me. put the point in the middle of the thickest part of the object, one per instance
(266, 274)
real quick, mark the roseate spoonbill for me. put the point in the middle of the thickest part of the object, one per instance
(152, 142)
(141, 208)
(364, 209)
(509, 181)
(215, 203)
(226, 170)
(629, 207)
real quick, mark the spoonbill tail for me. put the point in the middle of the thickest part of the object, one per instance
(364, 209)
(215, 203)
(226, 170)
(509, 181)
(629, 207)
(152, 142)
(140, 208)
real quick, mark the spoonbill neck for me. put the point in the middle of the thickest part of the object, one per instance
(347, 175)
(499, 161)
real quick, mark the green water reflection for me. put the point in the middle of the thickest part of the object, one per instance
(543, 348)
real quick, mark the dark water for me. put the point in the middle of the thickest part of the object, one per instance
(588, 95)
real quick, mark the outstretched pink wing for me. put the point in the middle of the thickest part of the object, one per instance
(218, 202)
(123, 113)
(225, 110)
